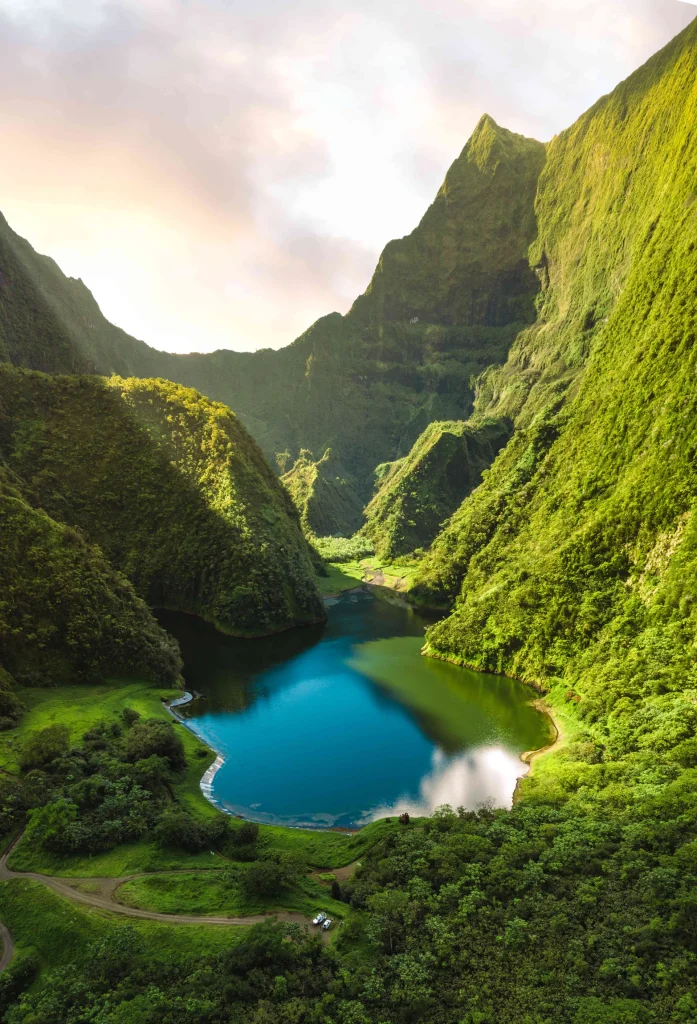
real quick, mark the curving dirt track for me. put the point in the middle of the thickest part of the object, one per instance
(82, 890)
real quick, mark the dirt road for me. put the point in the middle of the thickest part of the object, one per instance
(98, 893)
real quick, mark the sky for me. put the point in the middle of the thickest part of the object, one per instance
(221, 173)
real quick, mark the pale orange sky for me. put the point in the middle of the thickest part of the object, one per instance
(221, 173)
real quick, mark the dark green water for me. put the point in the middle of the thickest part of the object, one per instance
(340, 724)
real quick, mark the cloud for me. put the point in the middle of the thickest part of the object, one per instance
(485, 775)
(221, 174)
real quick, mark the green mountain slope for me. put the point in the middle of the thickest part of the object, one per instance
(324, 494)
(417, 493)
(172, 489)
(65, 613)
(366, 384)
(51, 322)
(574, 557)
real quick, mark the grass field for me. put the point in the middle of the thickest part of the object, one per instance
(58, 931)
(219, 892)
(341, 577)
(345, 575)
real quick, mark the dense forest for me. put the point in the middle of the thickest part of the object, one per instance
(513, 401)
(116, 495)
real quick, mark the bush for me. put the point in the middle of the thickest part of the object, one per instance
(343, 549)
(130, 716)
(176, 827)
(155, 737)
(16, 979)
(246, 834)
(272, 875)
(45, 746)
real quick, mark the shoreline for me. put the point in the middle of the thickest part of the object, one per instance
(527, 757)
(539, 703)
(206, 780)
(208, 777)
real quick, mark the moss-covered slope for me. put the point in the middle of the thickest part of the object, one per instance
(417, 493)
(65, 613)
(172, 489)
(324, 495)
(577, 555)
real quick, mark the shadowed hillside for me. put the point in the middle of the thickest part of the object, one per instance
(171, 488)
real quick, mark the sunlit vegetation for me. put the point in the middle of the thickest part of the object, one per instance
(118, 490)
(344, 549)
(419, 492)
(562, 278)
(325, 495)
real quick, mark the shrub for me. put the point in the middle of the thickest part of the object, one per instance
(130, 716)
(45, 746)
(343, 549)
(246, 834)
(272, 875)
(176, 827)
(155, 737)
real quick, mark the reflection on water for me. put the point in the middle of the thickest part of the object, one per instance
(339, 725)
(485, 775)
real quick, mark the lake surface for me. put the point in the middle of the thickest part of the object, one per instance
(337, 725)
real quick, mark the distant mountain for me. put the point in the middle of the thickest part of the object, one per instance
(445, 303)
(418, 492)
(324, 494)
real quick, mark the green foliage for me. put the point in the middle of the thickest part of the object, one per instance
(45, 746)
(113, 788)
(247, 834)
(139, 973)
(417, 493)
(16, 979)
(271, 875)
(343, 549)
(172, 489)
(324, 495)
(177, 828)
(155, 738)
(65, 612)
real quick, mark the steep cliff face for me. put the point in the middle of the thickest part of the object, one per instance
(324, 495)
(466, 263)
(576, 556)
(172, 489)
(417, 493)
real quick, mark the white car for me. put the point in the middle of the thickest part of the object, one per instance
(326, 924)
(320, 918)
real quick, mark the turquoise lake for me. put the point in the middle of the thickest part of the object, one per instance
(337, 725)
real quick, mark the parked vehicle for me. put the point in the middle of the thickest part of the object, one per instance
(326, 924)
(321, 916)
